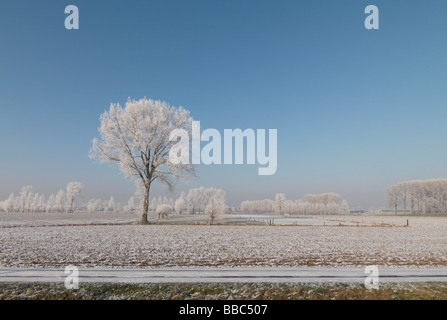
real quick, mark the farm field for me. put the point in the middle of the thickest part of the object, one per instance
(109, 218)
(383, 241)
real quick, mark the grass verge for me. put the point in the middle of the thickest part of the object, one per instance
(222, 291)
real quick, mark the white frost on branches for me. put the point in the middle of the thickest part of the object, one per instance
(163, 210)
(136, 138)
(311, 204)
(216, 204)
(74, 192)
(419, 196)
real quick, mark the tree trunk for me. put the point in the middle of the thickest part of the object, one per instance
(145, 205)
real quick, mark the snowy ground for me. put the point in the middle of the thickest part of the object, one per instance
(107, 218)
(16, 219)
(423, 243)
(289, 221)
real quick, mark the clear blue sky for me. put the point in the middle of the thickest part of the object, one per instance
(356, 110)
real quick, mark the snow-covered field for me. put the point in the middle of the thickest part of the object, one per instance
(290, 221)
(423, 243)
(63, 219)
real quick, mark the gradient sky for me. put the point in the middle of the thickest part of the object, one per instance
(356, 110)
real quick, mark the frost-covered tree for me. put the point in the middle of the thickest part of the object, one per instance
(34, 207)
(153, 204)
(51, 203)
(258, 206)
(74, 192)
(61, 201)
(180, 204)
(193, 200)
(198, 198)
(119, 207)
(111, 204)
(42, 203)
(289, 207)
(344, 207)
(311, 204)
(91, 205)
(403, 189)
(216, 204)
(25, 198)
(94, 205)
(393, 197)
(136, 138)
(9, 204)
(423, 196)
(105, 205)
(280, 200)
(202, 197)
(322, 198)
(131, 205)
(38, 203)
(163, 210)
(159, 201)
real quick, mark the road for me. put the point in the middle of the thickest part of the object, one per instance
(278, 275)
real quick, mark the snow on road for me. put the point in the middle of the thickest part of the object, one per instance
(185, 275)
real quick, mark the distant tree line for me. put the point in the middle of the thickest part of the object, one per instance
(418, 196)
(209, 201)
(311, 204)
(30, 201)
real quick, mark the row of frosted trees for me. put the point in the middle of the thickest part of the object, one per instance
(210, 201)
(30, 201)
(311, 204)
(68, 200)
(198, 200)
(418, 196)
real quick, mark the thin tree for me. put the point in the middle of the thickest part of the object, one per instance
(393, 197)
(280, 200)
(180, 204)
(216, 204)
(74, 191)
(403, 188)
(25, 198)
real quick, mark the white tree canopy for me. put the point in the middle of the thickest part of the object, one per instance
(216, 204)
(136, 138)
(74, 191)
